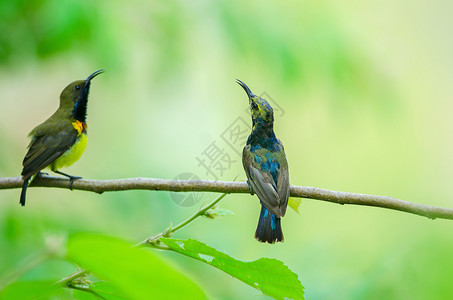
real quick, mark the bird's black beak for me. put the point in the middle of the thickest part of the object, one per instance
(246, 89)
(86, 86)
(96, 73)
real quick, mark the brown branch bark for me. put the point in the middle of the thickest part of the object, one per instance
(229, 187)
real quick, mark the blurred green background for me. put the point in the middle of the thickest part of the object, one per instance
(366, 94)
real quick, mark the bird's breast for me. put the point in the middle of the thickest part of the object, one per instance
(80, 127)
(72, 154)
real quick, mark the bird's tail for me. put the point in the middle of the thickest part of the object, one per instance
(269, 229)
(24, 191)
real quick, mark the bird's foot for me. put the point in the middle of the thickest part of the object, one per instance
(72, 179)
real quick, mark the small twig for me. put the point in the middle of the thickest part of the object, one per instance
(200, 212)
(151, 241)
(71, 277)
(100, 186)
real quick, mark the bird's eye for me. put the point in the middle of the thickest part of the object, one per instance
(77, 87)
(254, 105)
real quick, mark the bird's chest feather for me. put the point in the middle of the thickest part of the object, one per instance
(75, 151)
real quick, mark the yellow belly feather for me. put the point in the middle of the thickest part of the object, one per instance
(71, 155)
(75, 152)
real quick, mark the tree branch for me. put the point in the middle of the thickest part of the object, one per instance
(100, 186)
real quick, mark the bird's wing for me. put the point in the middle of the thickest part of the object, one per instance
(262, 183)
(283, 181)
(47, 144)
(247, 160)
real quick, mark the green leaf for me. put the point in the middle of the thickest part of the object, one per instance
(270, 276)
(294, 203)
(137, 273)
(30, 290)
(99, 289)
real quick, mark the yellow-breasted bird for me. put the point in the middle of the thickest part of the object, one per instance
(266, 167)
(62, 138)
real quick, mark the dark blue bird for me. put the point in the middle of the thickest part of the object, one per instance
(265, 164)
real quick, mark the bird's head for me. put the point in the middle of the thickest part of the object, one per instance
(261, 110)
(75, 96)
